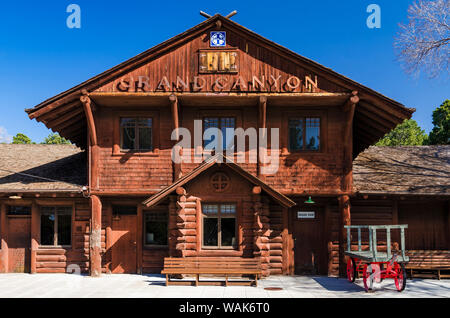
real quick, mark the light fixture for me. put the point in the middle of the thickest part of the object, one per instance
(15, 197)
(309, 201)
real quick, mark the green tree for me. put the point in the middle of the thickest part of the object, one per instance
(440, 134)
(407, 133)
(21, 139)
(55, 138)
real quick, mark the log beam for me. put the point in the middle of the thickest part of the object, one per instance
(140, 239)
(262, 123)
(345, 219)
(35, 222)
(95, 249)
(262, 111)
(3, 235)
(176, 125)
(174, 108)
(349, 108)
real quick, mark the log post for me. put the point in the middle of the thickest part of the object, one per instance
(139, 239)
(344, 207)
(93, 149)
(35, 222)
(4, 242)
(286, 252)
(95, 244)
(328, 238)
(349, 109)
(176, 125)
(262, 111)
(108, 243)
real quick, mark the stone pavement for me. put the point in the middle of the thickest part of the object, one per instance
(126, 285)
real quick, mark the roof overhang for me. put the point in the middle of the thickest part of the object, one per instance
(120, 99)
(375, 114)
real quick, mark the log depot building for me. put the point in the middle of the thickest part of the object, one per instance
(117, 202)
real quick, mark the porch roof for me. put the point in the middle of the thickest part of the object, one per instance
(403, 170)
(42, 168)
(277, 196)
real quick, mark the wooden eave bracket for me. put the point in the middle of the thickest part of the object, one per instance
(349, 108)
(87, 106)
(174, 108)
(262, 111)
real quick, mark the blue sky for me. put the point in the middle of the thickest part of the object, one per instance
(40, 57)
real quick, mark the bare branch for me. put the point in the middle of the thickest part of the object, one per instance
(423, 44)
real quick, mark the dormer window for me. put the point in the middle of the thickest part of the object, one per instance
(136, 134)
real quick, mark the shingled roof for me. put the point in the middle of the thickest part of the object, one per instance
(423, 170)
(41, 168)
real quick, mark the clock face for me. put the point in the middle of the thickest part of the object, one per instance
(218, 38)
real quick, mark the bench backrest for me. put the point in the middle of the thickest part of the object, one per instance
(429, 258)
(230, 263)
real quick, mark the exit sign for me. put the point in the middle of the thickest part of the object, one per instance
(306, 215)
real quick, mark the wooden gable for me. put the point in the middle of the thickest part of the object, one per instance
(261, 68)
(244, 65)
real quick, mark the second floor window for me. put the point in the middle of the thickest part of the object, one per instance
(136, 134)
(222, 123)
(304, 134)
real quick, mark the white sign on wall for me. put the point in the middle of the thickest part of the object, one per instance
(306, 215)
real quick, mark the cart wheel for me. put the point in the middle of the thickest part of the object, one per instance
(351, 270)
(367, 277)
(400, 280)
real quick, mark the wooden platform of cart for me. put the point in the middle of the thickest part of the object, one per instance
(214, 266)
(368, 256)
(428, 264)
(373, 254)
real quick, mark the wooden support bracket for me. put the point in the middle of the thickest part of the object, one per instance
(86, 101)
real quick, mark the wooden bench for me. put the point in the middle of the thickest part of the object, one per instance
(428, 264)
(216, 266)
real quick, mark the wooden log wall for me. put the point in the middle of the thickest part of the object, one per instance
(333, 240)
(276, 244)
(261, 233)
(186, 224)
(153, 260)
(125, 171)
(61, 260)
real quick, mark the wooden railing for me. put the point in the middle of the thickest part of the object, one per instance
(372, 229)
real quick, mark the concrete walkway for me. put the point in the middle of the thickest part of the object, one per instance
(67, 285)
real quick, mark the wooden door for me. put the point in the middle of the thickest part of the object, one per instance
(19, 244)
(309, 247)
(123, 248)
